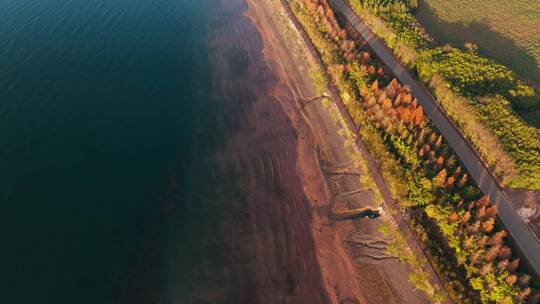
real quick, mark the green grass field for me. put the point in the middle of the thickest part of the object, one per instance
(505, 30)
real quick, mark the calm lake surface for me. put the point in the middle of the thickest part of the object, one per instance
(105, 112)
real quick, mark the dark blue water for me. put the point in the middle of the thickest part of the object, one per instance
(142, 160)
(101, 103)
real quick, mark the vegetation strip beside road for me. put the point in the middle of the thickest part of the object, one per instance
(455, 223)
(479, 94)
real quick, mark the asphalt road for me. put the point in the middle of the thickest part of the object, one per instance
(517, 228)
